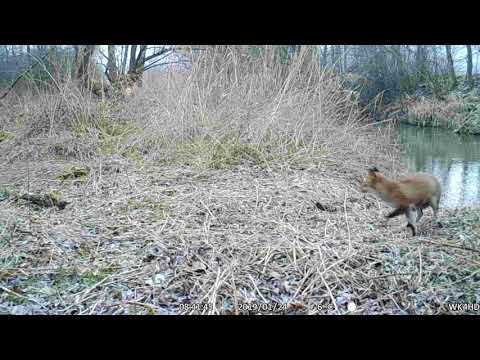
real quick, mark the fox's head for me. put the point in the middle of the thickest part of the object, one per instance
(370, 180)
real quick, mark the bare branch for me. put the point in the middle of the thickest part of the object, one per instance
(102, 53)
(167, 63)
(141, 54)
(156, 61)
(161, 52)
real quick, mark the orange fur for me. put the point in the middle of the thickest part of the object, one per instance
(407, 195)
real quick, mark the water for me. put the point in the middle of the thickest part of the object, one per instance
(453, 159)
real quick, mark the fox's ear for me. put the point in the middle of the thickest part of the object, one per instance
(373, 170)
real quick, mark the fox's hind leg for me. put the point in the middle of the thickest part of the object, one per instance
(434, 203)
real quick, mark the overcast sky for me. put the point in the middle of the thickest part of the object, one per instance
(460, 55)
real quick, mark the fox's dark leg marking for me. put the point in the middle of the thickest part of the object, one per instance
(412, 215)
(395, 212)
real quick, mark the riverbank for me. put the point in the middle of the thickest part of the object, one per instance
(458, 111)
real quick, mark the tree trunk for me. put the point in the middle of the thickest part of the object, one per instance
(420, 60)
(88, 74)
(39, 51)
(75, 49)
(112, 69)
(332, 48)
(140, 66)
(476, 62)
(338, 58)
(398, 59)
(5, 56)
(324, 56)
(141, 57)
(83, 61)
(469, 67)
(125, 57)
(451, 68)
(29, 58)
(435, 60)
(133, 59)
(137, 64)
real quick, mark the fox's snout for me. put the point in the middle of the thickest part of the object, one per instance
(364, 187)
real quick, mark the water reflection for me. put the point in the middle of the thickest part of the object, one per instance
(453, 159)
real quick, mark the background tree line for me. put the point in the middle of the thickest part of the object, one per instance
(389, 70)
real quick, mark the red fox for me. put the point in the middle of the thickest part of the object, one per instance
(408, 195)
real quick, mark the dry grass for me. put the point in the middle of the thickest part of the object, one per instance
(436, 112)
(201, 190)
(459, 113)
(280, 112)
